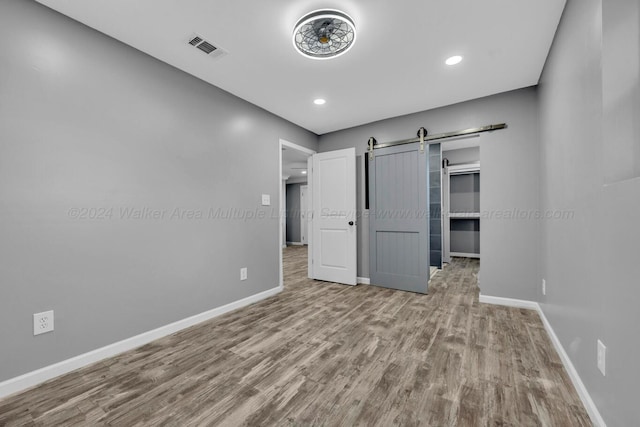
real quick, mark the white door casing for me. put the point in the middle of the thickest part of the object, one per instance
(283, 209)
(333, 221)
(304, 209)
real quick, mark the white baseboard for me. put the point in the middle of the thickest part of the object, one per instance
(295, 243)
(588, 403)
(510, 302)
(30, 379)
(581, 389)
(363, 281)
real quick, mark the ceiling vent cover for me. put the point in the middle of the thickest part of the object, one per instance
(206, 47)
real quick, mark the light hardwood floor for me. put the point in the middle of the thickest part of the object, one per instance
(328, 354)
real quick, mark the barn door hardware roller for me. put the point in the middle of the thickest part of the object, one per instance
(433, 139)
(372, 143)
(422, 132)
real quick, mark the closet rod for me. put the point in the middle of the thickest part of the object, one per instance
(439, 136)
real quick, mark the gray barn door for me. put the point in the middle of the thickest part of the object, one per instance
(399, 218)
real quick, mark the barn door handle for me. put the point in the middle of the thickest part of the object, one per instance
(350, 222)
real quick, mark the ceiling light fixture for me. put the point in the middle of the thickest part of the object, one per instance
(453, 60)
(304, 172)
(319, 101)
(324, 34)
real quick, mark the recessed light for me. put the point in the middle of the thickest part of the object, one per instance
(304, 172)
(453, 60)
(319, 101)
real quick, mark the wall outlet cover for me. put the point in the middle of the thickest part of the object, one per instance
(544, 287)
(43, 322)
(266, 200)
(243, 273)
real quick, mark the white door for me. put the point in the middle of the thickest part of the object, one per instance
(333, 223)
(304, 209)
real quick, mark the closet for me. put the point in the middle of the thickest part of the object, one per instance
(461, 207)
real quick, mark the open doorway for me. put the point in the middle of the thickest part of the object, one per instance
(293, 215)
(461, 199)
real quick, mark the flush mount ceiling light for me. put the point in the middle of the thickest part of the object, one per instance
(319, 101)
(324, 34)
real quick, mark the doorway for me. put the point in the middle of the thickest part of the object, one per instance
(461, 199)
(293, 174)
(331, 214)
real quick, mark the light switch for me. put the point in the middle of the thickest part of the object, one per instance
(266, 200)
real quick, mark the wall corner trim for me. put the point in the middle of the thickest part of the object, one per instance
(363, 281)
(30, 379)
(585, 397)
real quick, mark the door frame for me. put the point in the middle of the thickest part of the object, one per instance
(304, 210)
(283, 214)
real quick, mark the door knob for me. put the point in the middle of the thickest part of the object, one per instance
(350, 222)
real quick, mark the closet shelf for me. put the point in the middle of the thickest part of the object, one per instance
(464, 215)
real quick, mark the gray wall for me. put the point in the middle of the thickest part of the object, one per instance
(293, 213)
(509, 182)
(591, 262)
(461, 155)
(87, 122)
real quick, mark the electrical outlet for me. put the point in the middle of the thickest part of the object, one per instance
(544, 287)
(42, 322)
(243, 273)
(266, 200)
(602, 357)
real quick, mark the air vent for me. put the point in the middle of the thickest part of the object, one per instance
(194, 41)
(208, 48)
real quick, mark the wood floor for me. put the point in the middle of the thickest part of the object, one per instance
(327, 354)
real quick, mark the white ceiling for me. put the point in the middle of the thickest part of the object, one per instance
(293, 163)
(396, 66)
